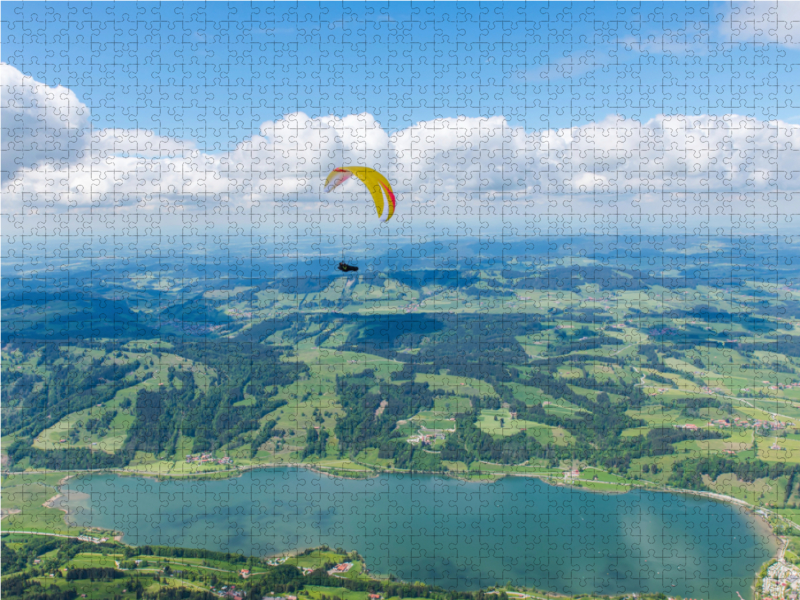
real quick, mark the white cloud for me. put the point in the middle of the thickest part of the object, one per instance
(40, 124)
(446, 167)
(764, 23)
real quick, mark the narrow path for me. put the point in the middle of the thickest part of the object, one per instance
(743, 400)
(171, 562)
(179, 474)
(59, 535)
(783, 548)
(521, 595)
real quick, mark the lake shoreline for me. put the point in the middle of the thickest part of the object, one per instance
(303, 482)
(51, 502)
(369, 473)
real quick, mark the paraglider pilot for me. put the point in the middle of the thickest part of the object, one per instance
(345, 268)
(379, 188)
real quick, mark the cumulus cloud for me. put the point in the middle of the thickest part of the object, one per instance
(444, 167)
(41, 125)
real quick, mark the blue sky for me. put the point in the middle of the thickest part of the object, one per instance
(214, 72)
(511, 119)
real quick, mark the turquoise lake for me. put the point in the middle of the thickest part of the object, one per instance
(447, 532)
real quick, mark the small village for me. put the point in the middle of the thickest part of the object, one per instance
(208, 458)
(93, 540)
(737, 422)
(427, 436)
(425, 439)
(229, 591)
(782, 582)
(340, 568)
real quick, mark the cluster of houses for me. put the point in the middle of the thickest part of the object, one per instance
(93, 540)
(279, 598)
(274, 562)
(340, 568)
(710, 390)
(426, 439)
(781, 386)
(229, 591)
(782, 582)
(208, 458)
(785, 386)
(777, 386)
(737, 422)
(758, 424)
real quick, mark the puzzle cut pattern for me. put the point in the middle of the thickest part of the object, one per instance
(315, 300)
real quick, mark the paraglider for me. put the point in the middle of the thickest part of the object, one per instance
(345, 268)
(378, 186)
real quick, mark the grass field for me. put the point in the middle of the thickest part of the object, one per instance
(603, 476)
(315, 592)
(529, 395)
(465, 386)
(94, 559)
(452, 404)
(101, 589)
(315, 559)
(789, 452)
(757, 492)
(154, 372)
(58, 436)
(534, 467)
(500, 423)
(737, 440)
(23, 496)
(563, 408)
(434, 420)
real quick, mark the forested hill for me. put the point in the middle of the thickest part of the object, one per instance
(532, 365)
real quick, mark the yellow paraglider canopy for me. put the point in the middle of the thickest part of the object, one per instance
(376, 183)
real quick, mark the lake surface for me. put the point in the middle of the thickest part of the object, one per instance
(447, 532)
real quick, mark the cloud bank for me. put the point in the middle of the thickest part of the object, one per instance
(689, 167)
